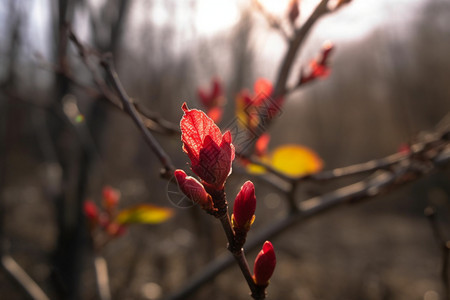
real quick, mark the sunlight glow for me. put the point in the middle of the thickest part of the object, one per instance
(280, 7)
(213, 16)
(276, 7)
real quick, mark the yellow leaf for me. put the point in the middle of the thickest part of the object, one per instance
(144, 214)
(295, 160)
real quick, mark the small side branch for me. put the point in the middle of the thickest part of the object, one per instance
(28, 285)
(444, 246)
(295, 44)
(152, 120)
(102, 277)
(271, 20)
(128, 107)
(238, 254)
(436, 141)
(236, 247)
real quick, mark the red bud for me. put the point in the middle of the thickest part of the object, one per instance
(115, 230)
(261, 145)
(294, 11)
(90, 210)
(213, 100)
(215, 113)
(264, 264)
(318, 67)
(327, 48)
(110, 197)
(404, 149)
(192, 188)
(244, 206)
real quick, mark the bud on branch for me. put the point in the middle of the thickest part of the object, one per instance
(111, 198)
(294, 11)
(213, 100)
(244, 207)
(318, 67)
(264, 265)
(194, 190)
(91, 211)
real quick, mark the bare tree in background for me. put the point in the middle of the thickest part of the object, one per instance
(40, 135)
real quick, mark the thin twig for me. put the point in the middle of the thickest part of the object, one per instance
(238, 253)
(280, 87)
(436, 141)
(15, 271)
(101, 273)
(235, 246)
(444, 246)
(294, 46)
(165, 160)
(152, 120)
(273, 21)
(267, 167)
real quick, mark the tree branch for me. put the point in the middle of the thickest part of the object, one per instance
(28, 285)
(102, 278)
(444, 246)
(436, 140)
(165, 160)
(294, 45)
(380, 182)
(273, 22)
(152, 120)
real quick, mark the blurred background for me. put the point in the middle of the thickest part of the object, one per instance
(60, 142)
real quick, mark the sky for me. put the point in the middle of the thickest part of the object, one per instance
(213, 16)
(195, 19)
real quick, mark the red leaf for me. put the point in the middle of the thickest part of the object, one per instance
(211, 153)
(195, 126)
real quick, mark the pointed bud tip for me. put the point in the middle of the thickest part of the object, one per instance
(327, 45)
(248, 185)
(267, 247)
(193, 189)
(265, 264)
(179, 174)
(184, 107)
(245, 206)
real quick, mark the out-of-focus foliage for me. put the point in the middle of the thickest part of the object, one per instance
(293, 160)
(144, 214)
